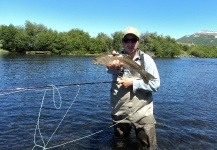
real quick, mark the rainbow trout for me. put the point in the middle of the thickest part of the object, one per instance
(126, 62)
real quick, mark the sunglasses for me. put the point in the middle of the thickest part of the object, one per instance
(133, 40)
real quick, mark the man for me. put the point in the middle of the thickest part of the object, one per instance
(131, 98)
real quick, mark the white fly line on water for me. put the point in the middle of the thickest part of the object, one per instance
(37, 128)
(54, 89)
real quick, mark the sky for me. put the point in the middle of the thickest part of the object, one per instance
(174, 18)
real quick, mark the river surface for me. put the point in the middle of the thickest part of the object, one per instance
(62, 102)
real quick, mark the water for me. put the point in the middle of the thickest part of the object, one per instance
(184, 107)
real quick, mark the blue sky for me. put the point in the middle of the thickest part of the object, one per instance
(174, 18)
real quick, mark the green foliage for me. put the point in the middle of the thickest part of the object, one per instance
(97, 46)
(79, 41)
(117, 41)
(161, 46)
(203, 51)
(101, 44)
(1, 41)
(8, 35)
(199, 39)
(21, 41)
(106, 40)
(46, 41)
(37, 37)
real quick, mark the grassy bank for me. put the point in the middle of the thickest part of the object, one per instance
(3, 51)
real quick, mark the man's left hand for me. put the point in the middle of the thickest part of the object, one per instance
(126, 82)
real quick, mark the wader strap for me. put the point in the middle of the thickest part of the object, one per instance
(142, 61)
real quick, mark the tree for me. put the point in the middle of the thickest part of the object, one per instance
(145, 41)
(21, 41)
(33, 31)
(107, 40)
(37, 37)
(46, 41)
(8, 34)
(64, 43)
(99, 45)
(117, 41)
(80, 41)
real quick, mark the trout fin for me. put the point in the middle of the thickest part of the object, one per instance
(147, 77)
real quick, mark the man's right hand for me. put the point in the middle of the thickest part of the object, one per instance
(116, 63)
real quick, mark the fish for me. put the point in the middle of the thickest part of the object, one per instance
(127, 63)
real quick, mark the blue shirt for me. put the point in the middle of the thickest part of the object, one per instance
(138, 83)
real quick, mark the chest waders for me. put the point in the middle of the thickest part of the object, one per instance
(133, 109)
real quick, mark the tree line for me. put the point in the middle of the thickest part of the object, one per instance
(37, 37)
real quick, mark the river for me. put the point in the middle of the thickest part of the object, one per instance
(62, 102)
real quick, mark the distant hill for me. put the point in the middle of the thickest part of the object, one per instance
(203, 37)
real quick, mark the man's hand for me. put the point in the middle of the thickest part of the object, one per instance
(116, 63)
(114, 53)
(125, 81)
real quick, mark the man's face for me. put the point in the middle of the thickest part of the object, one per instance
(130, 43)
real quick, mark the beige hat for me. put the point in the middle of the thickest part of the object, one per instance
(131, 30)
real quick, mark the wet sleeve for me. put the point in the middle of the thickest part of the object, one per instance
(154, 84)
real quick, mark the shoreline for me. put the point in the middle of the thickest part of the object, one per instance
(48, 53)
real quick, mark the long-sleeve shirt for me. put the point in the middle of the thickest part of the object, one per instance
(135, 102)
(138, 84)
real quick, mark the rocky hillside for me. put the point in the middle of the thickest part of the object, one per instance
(203, 37)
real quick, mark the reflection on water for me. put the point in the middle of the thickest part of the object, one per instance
(185, 105)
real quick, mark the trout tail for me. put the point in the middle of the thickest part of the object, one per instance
(147, 77)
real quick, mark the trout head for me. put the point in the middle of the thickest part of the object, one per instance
(100, 60)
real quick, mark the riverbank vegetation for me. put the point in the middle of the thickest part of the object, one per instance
(37, 37)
